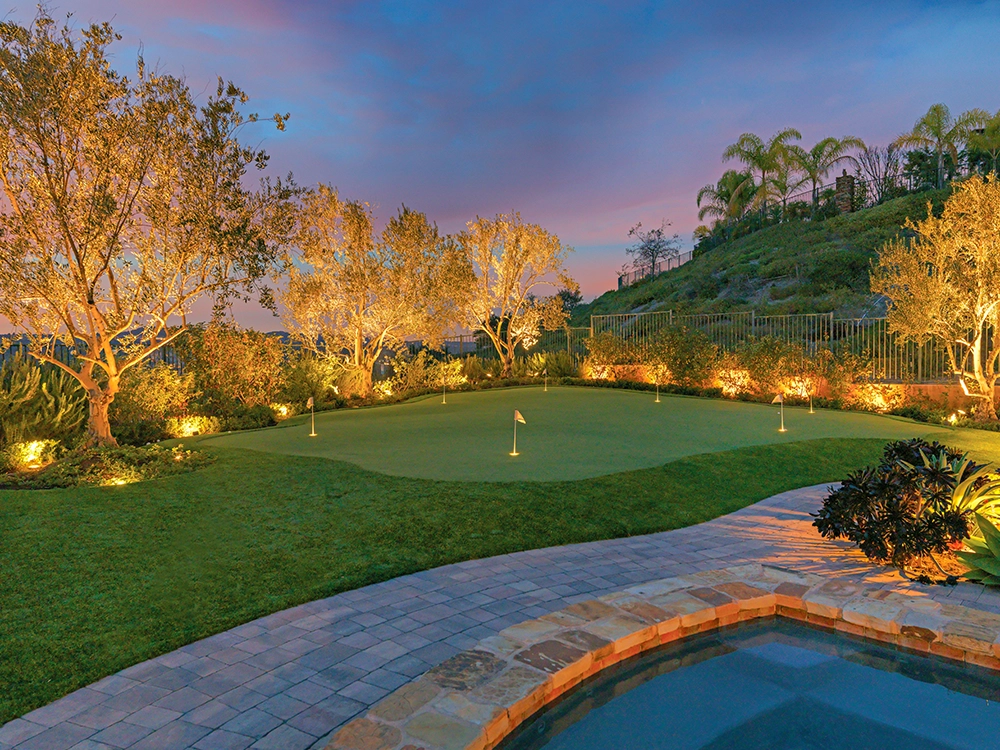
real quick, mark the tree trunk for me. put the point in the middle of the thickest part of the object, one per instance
(940, 165)
(99, 427)
(508, 363)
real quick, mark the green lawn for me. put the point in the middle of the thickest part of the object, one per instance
(571, 433)
(96, 579)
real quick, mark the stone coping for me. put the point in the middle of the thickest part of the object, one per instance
(475, 699)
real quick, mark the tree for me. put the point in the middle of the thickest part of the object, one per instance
(510, 261)
(939, 131)
(652, 246)
(124, 204)
(945, 284)
(986, 138)
(356, 294)
(817, 162)
(881, 169)
(727, 200)
(763, 156)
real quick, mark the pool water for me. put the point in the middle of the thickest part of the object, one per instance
(773, 685)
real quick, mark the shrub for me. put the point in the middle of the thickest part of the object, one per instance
(232, 365)
(903, 508)
(603, 351)
(685, 356)
(310, 376)
(148, 397)
(109, 466)
(39, 402)
(28, 456)
(421, 371)
(983, 557)
(477, 369)
(190, 425)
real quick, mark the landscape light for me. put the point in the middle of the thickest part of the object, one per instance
(780, 400)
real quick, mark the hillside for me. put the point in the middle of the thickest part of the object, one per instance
(797, 267)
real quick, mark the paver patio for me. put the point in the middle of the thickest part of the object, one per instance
(286, 681)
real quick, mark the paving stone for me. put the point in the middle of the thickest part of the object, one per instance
(176, 734)
(212, 714)
(121, 734)
(59, 737)
(253, 723)
(285, 738)
(220, 739)
(152, 717)
(241, 698)
(99, 717)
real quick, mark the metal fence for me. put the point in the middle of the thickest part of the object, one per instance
(891, 360)
(570, 340)
(16, 346)
(667, 264)
(869, 338)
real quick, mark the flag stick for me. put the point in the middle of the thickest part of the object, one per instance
(781, 410)
(657, 394)
(811, 404)
(444, 393)
(546, 390)
(514, 452)
(312, 420)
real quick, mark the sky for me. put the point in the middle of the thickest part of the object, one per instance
(587, 117)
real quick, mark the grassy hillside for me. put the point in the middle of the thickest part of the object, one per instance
(798, 267)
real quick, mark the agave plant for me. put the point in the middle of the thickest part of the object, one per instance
(984, 559)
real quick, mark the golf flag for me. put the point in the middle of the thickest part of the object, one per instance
(545, 372)
(779, 399)
(309, 403)
(518, 417)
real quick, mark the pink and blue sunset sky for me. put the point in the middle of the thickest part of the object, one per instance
(584, 116)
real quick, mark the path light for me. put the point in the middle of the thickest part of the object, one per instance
(517, 418)
(311, 403)
(780, 400)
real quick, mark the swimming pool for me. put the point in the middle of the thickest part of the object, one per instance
(773, 684)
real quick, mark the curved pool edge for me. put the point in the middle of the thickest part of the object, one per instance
(475, 699)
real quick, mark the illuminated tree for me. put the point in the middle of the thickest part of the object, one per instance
(939, 131)
(355, 294)
(945, 283)
(511, 261)
(124, 204)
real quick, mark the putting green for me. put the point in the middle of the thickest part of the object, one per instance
(571, 433)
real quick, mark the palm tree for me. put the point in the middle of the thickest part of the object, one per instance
(726, 200)
(783, 182)
(762, 156)
(817, 162)
(987, 138)
(939, 131)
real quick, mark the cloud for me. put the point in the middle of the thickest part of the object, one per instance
(585, 116)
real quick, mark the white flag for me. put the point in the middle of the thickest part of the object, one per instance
(779, 399)
(518, 417)
(309, 403)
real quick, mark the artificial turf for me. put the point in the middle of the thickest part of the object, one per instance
(570, 433)
(95, 579)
